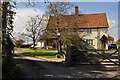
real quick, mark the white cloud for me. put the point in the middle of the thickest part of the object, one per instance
(113, 28)
(22, 16)
(112, 23)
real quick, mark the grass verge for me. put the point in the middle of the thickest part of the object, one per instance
(41, 53)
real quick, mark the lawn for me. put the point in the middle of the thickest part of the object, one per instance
(52, 53)
(41, 53)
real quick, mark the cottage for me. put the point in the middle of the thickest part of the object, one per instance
(95, 25)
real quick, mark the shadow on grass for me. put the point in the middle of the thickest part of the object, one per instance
(39, 53)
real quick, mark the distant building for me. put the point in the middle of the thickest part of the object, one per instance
(95, 25)
(110, 40)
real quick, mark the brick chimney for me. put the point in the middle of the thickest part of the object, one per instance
(76, 10)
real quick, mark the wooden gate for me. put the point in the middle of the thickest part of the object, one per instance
(104, 55)
(71, 56)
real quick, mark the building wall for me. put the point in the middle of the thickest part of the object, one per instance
(94, 36)
(40, 44)
(104, 32)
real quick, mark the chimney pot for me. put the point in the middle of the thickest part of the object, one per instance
(76, 10)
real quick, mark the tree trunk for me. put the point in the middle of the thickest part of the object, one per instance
(33, 42)
(60, 47)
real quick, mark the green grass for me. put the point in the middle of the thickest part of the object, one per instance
(101, 52)
(41, 53)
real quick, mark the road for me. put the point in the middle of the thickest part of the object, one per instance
(32, 67)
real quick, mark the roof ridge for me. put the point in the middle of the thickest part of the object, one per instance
(82, 14)
(94, 13)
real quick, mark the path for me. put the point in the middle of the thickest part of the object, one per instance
(41, 68)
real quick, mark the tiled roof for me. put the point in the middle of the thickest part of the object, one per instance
(73, 22)
(78, 21)
(48, 35)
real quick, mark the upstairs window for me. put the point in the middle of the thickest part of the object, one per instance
(89, 30)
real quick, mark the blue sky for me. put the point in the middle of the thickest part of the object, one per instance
(110, 8)
(119, 22)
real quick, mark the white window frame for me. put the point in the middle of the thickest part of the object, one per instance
(90, 41)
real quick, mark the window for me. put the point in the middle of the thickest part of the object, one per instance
(104, 30)
(89, 41)
(81, 30)
(89, 30)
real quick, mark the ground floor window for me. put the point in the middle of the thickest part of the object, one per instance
(89, 41)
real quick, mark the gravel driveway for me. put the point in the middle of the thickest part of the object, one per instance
(31, 67)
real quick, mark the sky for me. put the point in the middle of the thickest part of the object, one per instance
(110, 8)
(119, 21)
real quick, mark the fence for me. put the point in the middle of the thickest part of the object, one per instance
(74, 55)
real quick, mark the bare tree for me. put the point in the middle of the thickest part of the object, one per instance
(62, 23)
(35, 27)
(58, 8)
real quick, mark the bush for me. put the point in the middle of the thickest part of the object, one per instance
(76, 41)
(118, 42)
